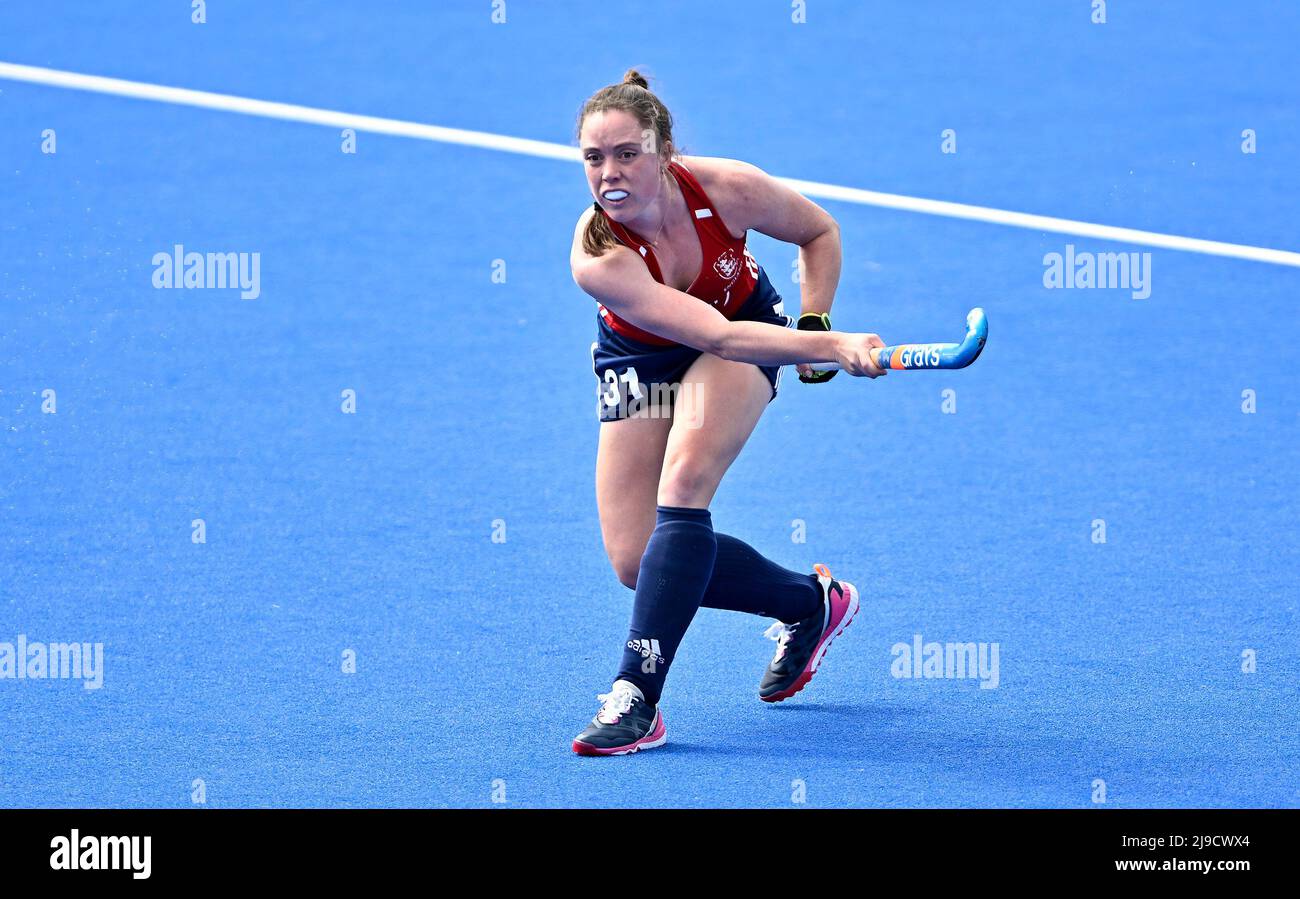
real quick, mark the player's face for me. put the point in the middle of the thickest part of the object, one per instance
(621, 162)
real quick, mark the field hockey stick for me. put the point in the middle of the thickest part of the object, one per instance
(929, 355)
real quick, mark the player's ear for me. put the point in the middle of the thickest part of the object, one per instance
(667, 156)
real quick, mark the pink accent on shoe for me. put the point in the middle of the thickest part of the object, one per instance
(657, 737)
(840, 602)
(844, 605)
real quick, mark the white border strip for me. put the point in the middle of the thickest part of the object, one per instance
(375, 125)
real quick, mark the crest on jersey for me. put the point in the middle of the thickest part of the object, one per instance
(728, 266)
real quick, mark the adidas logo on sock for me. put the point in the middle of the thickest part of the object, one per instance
(648, 649)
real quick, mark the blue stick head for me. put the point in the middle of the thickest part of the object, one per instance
(977, 331)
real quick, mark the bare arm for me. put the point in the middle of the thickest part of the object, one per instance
(754, 199)
(620, 281)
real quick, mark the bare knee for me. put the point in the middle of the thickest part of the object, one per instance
(625, 545)
(626, 567)
(686, 481)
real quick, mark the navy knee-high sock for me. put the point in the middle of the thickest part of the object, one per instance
(675, 569)
(746, 581)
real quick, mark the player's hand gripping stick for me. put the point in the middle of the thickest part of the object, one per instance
(929, 355)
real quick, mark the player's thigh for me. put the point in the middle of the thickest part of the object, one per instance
(719, 404)
(628, 462)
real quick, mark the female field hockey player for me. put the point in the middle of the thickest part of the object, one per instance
(682, 304)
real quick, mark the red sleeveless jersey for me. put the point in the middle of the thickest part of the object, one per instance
(728, 273)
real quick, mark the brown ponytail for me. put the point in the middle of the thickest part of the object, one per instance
(632, 95)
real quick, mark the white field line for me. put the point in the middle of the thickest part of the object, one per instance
(545, 149)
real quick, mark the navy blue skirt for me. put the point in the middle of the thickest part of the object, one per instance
(633, 376)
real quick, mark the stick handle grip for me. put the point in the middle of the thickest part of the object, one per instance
(835, 366)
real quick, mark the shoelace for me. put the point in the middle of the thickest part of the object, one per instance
(781, 633)
(614, 704)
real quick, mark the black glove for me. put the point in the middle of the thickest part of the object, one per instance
(816, 321)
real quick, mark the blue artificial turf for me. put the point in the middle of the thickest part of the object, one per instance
(477, 661)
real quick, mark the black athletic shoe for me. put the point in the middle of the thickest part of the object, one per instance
(802, 646)
(625, 723)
